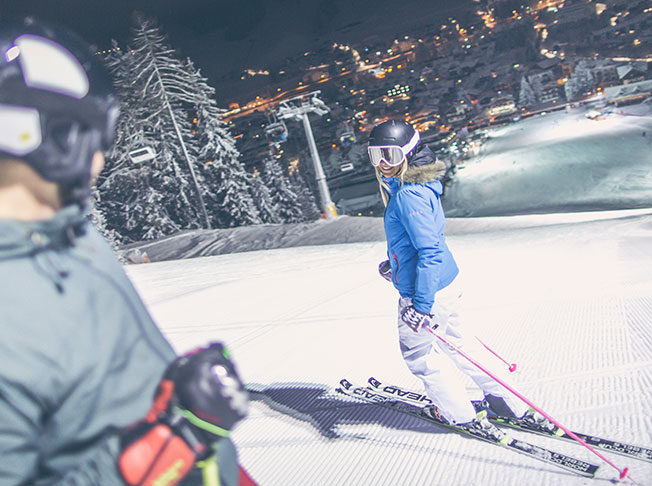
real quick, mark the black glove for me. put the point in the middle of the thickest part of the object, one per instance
(198, 401)
(385, 270)
(416, 320)
(208, 391)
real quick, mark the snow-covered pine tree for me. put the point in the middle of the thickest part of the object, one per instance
(262, 197)
(526, 96)
(158, 196)
(283, 197)
(96, 216)
(306, 198)
(229, 200)
(129, 195)
(580, 82)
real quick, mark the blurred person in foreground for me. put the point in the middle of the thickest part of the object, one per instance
(91, 393)
(423, 270)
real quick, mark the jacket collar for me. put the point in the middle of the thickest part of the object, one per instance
(19, 238)
(425, 173)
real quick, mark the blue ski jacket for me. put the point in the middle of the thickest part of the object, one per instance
(414, 222)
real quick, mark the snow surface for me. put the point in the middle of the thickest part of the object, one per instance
(566, 296)
(559, 162)
(570, 302)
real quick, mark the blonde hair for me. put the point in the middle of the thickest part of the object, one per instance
(385, 191)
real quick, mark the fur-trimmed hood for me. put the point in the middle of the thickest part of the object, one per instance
(424, 167)
(425, 173)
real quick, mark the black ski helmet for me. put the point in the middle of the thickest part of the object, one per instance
(397, 133)
(56, 104)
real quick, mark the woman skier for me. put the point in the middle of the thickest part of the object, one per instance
(424, 272)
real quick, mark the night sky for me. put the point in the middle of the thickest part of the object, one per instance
(230, 36)
(101, 20)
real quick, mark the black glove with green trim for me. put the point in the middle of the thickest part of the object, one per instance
(208, 392)
(197, 402)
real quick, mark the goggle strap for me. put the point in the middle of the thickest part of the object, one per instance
(414, 141)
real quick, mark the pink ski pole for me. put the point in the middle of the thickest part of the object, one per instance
(512, 366)
(622, 472)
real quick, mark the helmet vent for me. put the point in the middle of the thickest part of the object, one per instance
(20, 129)
(47, 65)
(12, 53)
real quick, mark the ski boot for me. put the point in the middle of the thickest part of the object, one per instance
(482, 427)
(536, 421)
(433, 412)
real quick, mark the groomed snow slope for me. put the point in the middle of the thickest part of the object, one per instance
(568, 297)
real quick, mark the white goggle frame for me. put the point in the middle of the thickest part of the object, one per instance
(392, 155)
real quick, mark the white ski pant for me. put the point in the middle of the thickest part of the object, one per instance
(434, 363)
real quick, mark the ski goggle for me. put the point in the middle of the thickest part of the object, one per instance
(392, 155)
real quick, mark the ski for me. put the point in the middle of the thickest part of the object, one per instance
(368, 395)
(617, 447)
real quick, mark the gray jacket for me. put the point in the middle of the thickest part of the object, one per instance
(80, 354)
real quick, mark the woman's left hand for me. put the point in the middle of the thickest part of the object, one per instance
(416, 319)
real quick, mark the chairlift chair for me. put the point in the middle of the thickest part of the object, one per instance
(346, 167)
(276, 132)
(347, 138)
(142, 155)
